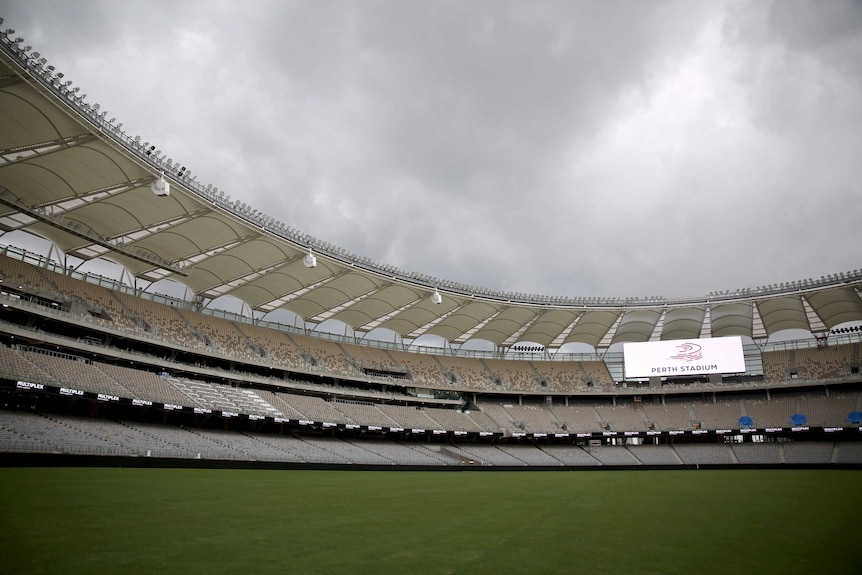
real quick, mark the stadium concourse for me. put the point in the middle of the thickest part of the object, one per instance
(94, 367)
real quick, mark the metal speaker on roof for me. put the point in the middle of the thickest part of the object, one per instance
(309, 261)
(160, 186)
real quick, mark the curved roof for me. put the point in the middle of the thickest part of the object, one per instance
(70, 176)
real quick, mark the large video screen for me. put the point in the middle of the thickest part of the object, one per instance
(683, 357)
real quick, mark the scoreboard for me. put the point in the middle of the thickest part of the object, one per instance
(683, 357)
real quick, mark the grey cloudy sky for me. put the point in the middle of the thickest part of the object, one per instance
(566, 148)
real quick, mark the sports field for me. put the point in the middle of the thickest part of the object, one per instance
(292, 522)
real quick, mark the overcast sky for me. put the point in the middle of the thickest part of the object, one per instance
(565, 148)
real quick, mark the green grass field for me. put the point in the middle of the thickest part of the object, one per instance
(92, 521)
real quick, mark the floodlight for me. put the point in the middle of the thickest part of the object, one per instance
(309, 261)
(436, 298)
(160, 186)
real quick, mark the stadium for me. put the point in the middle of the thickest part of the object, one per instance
(100, 372)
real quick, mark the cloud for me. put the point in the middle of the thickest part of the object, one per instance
(564, 148)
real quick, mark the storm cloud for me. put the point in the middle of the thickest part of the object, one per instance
(562, 148)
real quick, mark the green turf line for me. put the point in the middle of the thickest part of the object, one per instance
(329, 522)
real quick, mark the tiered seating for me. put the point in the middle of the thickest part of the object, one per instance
(285, 447)
(570, 455)
(324, 450)
(483, 421)
(405, 454)
(529, 455)
(31, 432)
(452, 420)
(16, 273)
(561, 375)
(315, 408)
(67, 434)
(143, 384)
(96, 298)
(329, 355)
(719, 415)
(409, 417)
(704, 454)
(824, 362)
(163, 321)
(614, 456)
(628, 417)
(364, 413)
(597, 372)
(248, 401)
(757, 452)
(276, 345)
(516, 374)
(487, 455)
(200, 395)
(368, 452)
(162, 440)
(371, 358)
(501, 418)
(848, 453)
(73, 371)
(668, 416)
(251, 445)
(424, 369)
(24, 432)
(826, 411)
(655, 454)
(220, 334)
(808, 452)
(770, 413)
(776, 366)
(577, 417)
(224, 397)
(280, 404)
(14, 366)
(470, 373)
(534, 418)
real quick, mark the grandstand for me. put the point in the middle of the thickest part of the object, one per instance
(91, 366)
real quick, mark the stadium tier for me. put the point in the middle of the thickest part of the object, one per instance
(163, 379)
(95, 366)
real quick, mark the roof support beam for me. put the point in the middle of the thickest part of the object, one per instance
(131, 236)
(31, 151)
(214, 251)
(560, 340)
(323, 316)
(420, 331)
(758, 331)
(287, 298)
(605, 342)
(67, 204)
(374, 324)
(515, 337)
(464, 337)
(815, 324)
(76, 229)
(6, 81)
(706, 323)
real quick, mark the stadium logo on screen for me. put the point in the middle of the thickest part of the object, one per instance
(688, 352)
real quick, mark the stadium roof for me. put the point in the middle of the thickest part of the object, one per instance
(70, 175)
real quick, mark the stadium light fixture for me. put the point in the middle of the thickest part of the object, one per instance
(309, 261)
(160, 186)
(436, 298)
